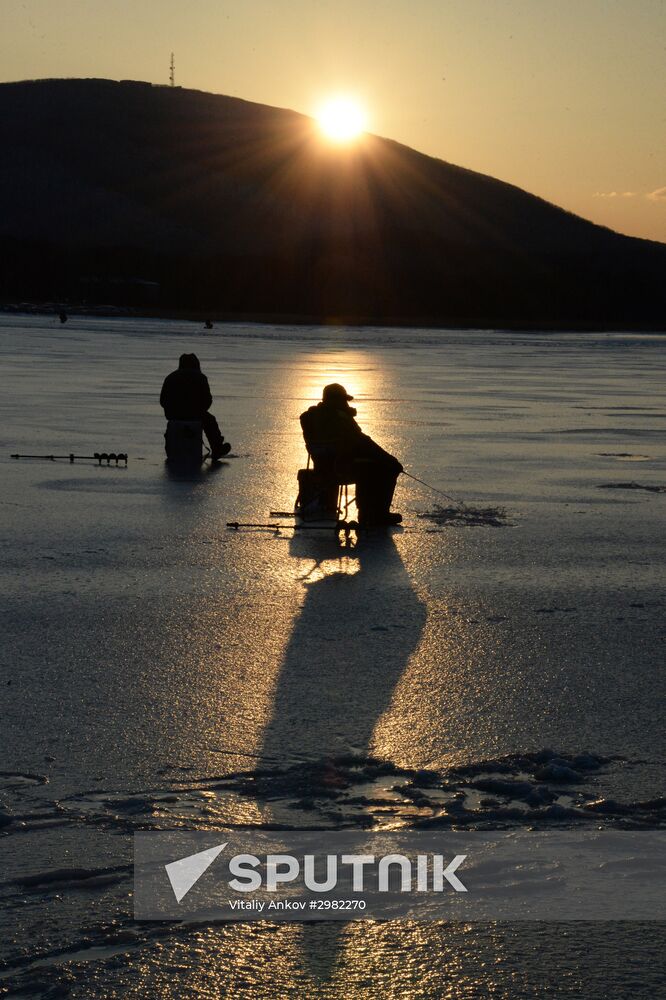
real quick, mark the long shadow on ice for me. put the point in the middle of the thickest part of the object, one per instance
(358, 627)
(359, 624)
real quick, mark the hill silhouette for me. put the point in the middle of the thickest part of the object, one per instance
(177, 199)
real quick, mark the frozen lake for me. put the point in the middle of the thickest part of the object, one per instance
(154, 661)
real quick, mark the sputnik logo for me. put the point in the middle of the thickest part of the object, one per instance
(282, 868)
(186, 872)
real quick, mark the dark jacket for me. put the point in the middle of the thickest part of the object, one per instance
(331, 427)
(185, 395)
(332, 434)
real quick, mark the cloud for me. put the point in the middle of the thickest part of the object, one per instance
(618, 194)
(658, 195)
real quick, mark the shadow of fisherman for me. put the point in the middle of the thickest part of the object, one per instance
(359, 625)
(351, 643)
(186, 396)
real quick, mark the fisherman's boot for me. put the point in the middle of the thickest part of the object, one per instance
(218, 453)
(218, 447)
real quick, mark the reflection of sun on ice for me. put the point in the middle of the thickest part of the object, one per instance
(341, 119)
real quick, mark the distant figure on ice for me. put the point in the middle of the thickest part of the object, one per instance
(186, 396)
(339, 448)
(62, 316)
(208, 325)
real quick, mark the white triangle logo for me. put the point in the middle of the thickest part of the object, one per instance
(186, 872)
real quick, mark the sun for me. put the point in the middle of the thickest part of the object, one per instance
(341, 119)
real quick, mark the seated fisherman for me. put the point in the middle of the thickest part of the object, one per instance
(339, 448)
(186, 396)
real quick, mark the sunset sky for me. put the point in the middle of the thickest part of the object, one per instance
(567, 100)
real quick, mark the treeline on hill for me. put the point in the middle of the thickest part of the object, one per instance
(323, 283)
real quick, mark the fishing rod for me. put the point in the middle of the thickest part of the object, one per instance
(98, 457)
(447, 496)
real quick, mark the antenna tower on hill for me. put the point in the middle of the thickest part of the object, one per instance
(172, 72)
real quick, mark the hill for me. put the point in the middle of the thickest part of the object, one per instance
(177, 199)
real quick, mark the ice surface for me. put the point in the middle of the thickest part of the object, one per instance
(159, 670)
